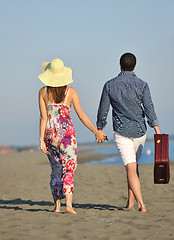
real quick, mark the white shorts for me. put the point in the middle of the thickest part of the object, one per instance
(129, 148)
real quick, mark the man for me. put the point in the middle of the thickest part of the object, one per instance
(131, 101)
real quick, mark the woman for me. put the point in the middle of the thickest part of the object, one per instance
(57, 134)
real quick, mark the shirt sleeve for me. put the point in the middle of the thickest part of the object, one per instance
(149, 107)
(103, 108)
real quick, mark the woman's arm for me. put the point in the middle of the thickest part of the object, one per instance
(43, 120)
(100, 137)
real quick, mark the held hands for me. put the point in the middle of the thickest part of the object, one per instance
(43, 147)
(100, 136)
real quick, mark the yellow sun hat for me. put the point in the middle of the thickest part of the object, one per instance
(55, 74)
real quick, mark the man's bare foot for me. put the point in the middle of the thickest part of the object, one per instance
(70, 210)
(57, 205)
(139, 205)
(143, 210)
(129, 205)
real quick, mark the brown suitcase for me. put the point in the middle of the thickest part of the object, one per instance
(161, 166)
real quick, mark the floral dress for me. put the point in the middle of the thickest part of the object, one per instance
(62, 148)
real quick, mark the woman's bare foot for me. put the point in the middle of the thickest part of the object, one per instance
(70, 210)
(57, 205)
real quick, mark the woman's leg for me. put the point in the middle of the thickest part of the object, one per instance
(134, 184)
(57, 205)
(69, 208)
(68, 185)
(55, 179)
(68, 169)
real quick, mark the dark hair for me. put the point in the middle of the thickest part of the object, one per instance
(127, 62)
(56, 94)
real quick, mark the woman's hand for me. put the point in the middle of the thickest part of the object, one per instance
(43, 147)
(100, 136)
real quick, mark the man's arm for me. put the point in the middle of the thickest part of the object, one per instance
(103, 109)
(149, 109)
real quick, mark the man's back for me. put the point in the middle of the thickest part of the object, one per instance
(130, 99)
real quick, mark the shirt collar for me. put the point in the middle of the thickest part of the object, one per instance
(126, 73)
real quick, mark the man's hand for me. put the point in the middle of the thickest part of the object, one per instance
(157, 130)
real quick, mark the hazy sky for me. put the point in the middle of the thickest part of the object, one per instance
(89, 36)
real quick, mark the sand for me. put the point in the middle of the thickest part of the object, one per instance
(100, 195)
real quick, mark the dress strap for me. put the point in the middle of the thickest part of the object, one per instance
(66, 95)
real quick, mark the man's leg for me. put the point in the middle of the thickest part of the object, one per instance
(131, 197)
(134, 184)
(138, 147)
(126, 150)
(130, 201)
(130, 152)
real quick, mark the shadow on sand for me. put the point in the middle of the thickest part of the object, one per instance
(15, 205)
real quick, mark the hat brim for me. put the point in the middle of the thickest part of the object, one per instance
(56, 80)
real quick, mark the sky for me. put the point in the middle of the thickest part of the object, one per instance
(88, 36)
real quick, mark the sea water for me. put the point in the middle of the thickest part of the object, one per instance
(147, 155)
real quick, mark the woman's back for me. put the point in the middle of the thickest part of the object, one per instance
(59, 127)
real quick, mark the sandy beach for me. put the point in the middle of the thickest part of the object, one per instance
(100, 197)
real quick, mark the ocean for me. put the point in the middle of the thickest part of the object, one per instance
(147, 155)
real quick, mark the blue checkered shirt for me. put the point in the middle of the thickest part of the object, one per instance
(131, 101)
